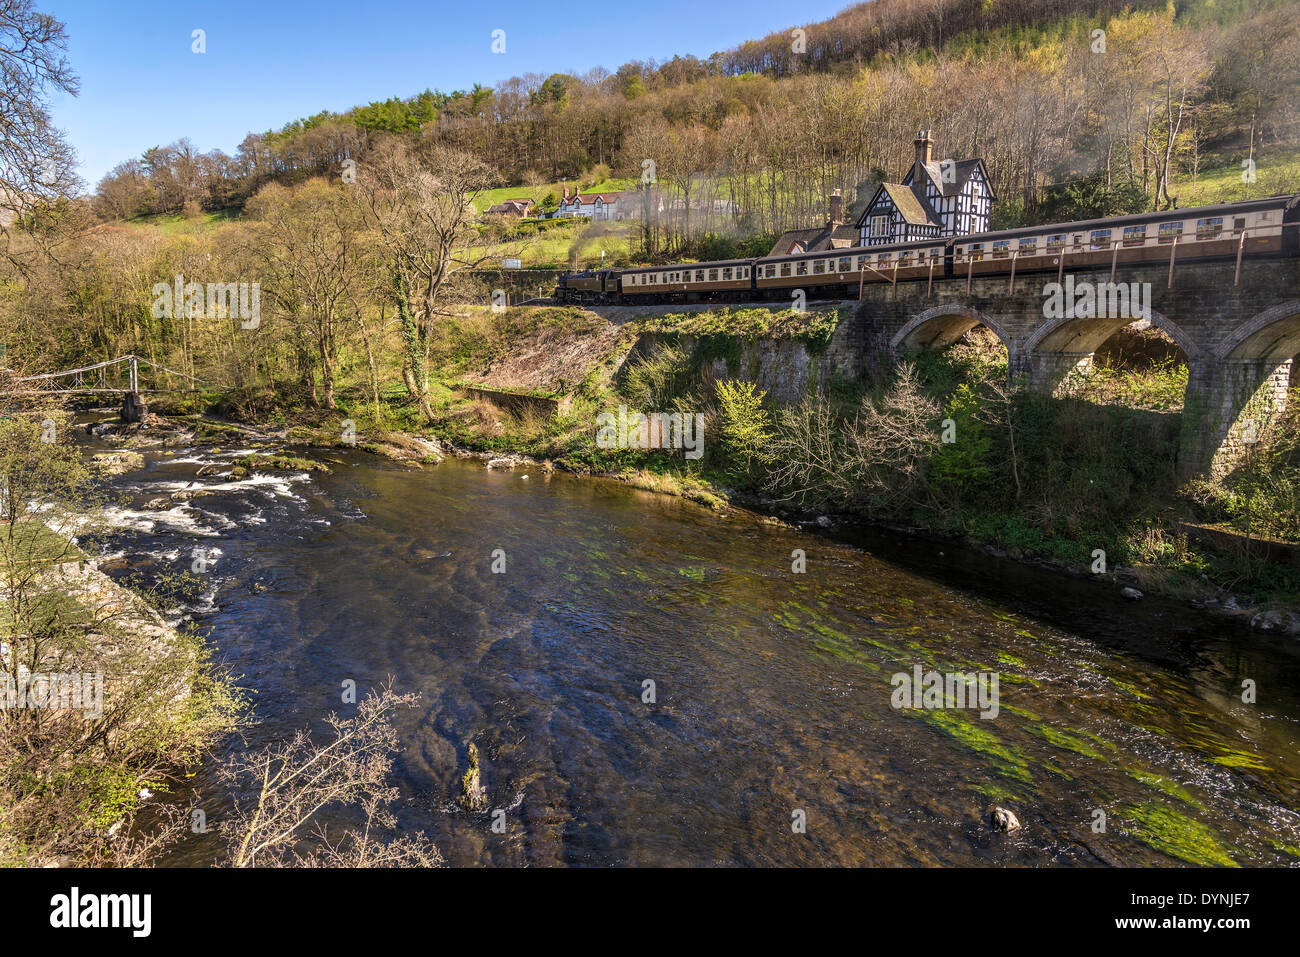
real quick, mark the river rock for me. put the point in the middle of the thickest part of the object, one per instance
(115, 463)
(1132, 594)
(1003, 820)
(1277, 621)
(159, 503)
(472, 793)
(407, 449)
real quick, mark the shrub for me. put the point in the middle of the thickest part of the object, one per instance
(745, 426)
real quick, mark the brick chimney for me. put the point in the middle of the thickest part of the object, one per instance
(924, 150)
(924, 147)
(836, 209)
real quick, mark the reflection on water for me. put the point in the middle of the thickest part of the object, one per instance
(771, 689)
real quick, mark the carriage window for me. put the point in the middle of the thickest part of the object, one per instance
(1028, 246)
(904, 258)
(819, 265)
(1056, 242)
(801, 268)
(713, 275)
(1135, 235)
(976, 251)
(726, 272)
(785, 269)
(1209, 228)
(846, 263)
(885, 257)
(652, 278)
(862, 262)
(699, 275)
(771, 271)
(1238, 224)
(1168, 232)
(1100, 238)
(1002, 249)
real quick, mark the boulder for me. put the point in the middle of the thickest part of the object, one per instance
(1003, 820)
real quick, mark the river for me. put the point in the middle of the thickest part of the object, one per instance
(771, 695)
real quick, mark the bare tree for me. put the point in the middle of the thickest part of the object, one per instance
(422, 206)
(296, 780)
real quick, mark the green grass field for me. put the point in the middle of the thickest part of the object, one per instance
(1275, 174)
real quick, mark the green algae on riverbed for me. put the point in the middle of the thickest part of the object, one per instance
(1174, 833)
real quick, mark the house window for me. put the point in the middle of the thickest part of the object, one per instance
(1100, 238)
(1168, 232)
(1029, 246)
(879, 227)
(1001, 249)
(1135, 235)
(1055, 242)
(1209, 228)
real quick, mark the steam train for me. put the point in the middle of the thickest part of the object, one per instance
(1233, 231)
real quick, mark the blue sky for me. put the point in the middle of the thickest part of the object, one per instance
(272, 61)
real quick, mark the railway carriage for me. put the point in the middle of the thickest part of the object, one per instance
(1252, 227)
(851, 267)
(689, 282)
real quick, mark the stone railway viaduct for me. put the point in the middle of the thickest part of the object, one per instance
(1240, 336)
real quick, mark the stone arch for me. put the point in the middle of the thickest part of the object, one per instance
(1271, 334)
(1242, 389)
(943, 325)
(1058, 346)
(1085, 335)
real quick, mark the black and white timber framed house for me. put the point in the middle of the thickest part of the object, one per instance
(935, 198)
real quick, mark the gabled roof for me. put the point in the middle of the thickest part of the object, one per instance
(962, 170)
(906, 202)
(588, 199)
(815, 240)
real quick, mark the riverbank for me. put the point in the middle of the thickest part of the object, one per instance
(107, 708)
